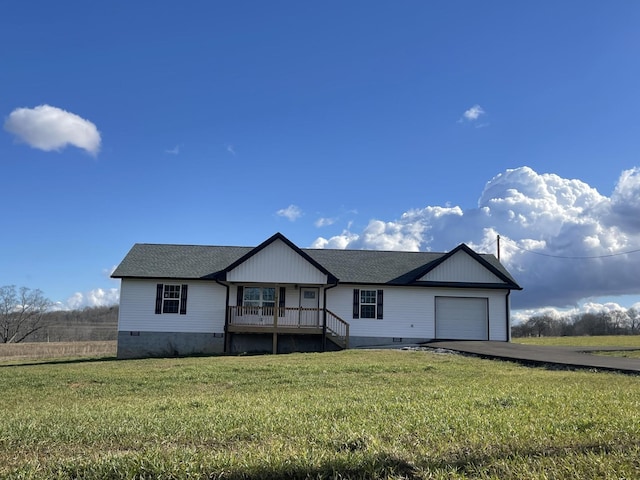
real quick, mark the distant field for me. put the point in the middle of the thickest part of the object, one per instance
(595, 341)
(43, 350)
(352, 414)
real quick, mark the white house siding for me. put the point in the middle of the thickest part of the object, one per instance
(461, 268)
(277, 263)
(409, 312)
(404, 312)
(205, 308)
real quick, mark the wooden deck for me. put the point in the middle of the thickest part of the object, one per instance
(301, 330)
(287, 320)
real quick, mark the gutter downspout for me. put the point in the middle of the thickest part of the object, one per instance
(508, 315)
(324, 316)
(226, 317)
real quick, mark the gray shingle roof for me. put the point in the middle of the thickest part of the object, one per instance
(147, 260)
(349, 266)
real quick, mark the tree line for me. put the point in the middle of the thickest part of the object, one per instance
(83, 325)
(26, 315)
(616, 322)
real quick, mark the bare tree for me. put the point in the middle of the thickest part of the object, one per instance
(634, 320)
(21, 312)
(541, 325)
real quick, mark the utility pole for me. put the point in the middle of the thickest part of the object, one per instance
(498, 247)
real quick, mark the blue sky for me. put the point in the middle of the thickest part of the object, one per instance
(396, 125)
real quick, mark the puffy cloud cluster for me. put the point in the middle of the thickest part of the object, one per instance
(561, 239)
(50, 128)
(97, 297)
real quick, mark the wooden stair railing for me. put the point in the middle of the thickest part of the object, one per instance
(337, 330)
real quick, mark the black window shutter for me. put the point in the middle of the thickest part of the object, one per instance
(356, 303)
(380, 303)
(239, 299)
(183, 299)
(158, 299)
(282, 301)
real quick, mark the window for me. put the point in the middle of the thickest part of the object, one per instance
(260, 300)
(171, 299)
(259, 297)
(367, 303)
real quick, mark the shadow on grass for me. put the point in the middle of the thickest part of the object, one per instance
(57, 361)
(91, 359)
(381, 466)
(502, 463)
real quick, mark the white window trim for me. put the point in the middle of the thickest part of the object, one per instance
(369, 304)
(166, 298)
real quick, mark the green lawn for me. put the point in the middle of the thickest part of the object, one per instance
(351, 414)
(619, 353)
(595, 341)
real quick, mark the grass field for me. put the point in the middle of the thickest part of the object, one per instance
(351, 414)
(46, 350)
(584, 341)
(626, 341)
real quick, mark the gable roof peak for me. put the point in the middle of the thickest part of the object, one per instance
(279, 236)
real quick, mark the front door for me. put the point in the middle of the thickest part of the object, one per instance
(309, 303)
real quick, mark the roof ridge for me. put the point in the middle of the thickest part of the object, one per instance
(191, 245)
(367, 250)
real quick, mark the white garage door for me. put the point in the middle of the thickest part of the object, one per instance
(460, 318)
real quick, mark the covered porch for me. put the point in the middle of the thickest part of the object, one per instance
(243, 319)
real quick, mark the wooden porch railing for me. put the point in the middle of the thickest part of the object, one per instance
(275, 316)
(289, 320)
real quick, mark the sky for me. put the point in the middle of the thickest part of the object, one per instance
(383, 125)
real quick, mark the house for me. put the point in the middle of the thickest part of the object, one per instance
(277, 297)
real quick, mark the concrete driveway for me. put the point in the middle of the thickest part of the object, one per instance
(578, 357)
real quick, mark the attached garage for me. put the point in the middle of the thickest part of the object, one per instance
(462, 318)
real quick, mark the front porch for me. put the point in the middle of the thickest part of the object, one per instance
(287, 321)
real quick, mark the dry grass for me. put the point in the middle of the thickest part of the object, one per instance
(42, 350)
(584, 341)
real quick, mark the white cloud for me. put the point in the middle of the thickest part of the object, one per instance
(520, 316)
(231, 150)
(625, 200)
(339, 242)
(324, 222)
(473, 113)
(545, 222)
(49, 128)
(173, 151)
(97, 297)
(292, 212)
